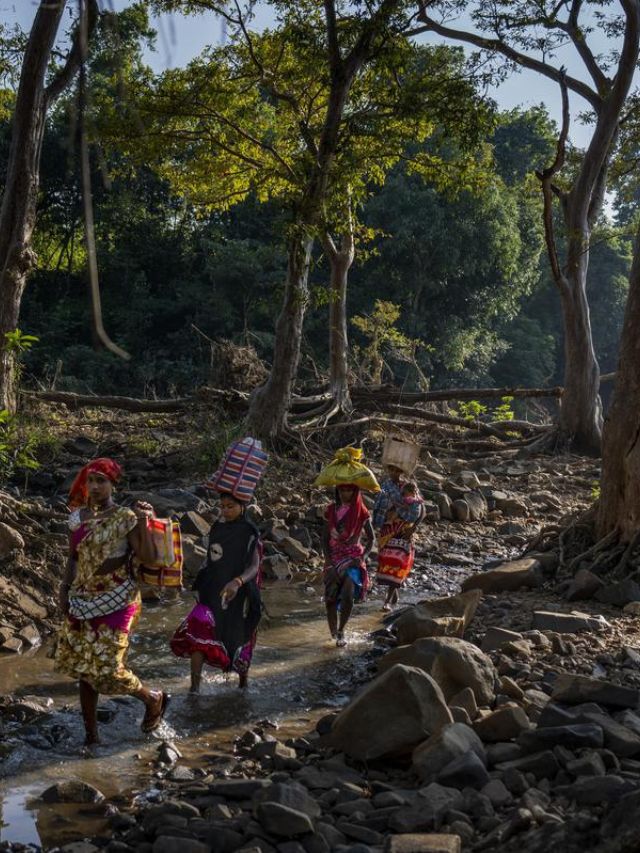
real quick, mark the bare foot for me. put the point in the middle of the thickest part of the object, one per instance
(244, 680)
(340, 640)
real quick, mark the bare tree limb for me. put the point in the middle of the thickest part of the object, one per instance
(546, 179)
(499, 46)
(63, 79)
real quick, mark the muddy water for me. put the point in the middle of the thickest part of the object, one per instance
(297, 674)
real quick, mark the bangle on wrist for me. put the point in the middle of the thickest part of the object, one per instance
(240, 582)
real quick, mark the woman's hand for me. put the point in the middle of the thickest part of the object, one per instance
(230, 590)
(143, 510)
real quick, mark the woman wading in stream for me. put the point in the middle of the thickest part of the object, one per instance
(100, 598)
(346, 579)
(221, 629)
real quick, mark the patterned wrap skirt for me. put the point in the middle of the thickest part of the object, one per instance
(197, 633)
(95, 650)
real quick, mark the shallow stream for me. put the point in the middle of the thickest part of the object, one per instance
(297, 674)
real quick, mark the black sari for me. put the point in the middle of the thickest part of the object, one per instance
(232, 548)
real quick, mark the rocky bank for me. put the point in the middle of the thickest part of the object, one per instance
(499, 714)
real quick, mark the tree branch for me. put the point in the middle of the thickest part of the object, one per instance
(335, 57)
(548, 190)
(62, 80)
(499, 46)
(579, 41)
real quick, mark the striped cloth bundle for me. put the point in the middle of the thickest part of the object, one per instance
(240, 470)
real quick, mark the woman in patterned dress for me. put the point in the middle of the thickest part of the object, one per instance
(100, 598)
(346, 542)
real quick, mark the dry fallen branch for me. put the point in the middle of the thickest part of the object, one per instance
(127, 404)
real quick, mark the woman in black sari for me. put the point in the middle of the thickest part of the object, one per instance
(221, 629)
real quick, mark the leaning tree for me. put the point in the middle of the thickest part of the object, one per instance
(41, 84)
(528, 35)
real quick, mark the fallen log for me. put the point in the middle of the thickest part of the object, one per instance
(450, 420)
(127, 404)
(388, 394)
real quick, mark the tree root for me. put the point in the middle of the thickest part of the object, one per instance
(621, 565)
(600, 546)
(537, 543)
(548, 442)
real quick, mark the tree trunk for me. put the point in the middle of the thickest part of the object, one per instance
(18, 210)
(580, 420)
(340, 261)
(338, 340)
(270, 403)
(619, 504)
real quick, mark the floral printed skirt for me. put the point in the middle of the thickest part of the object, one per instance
(95, 650)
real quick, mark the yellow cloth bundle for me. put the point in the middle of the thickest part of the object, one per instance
(346, 469)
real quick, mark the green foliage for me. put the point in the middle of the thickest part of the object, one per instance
(469, 410)
(595, 490)
(18, 343)
(504, 412)
(18, 446)
(474, 410)
(380, 330)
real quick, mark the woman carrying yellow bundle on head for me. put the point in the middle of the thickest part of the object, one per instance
(347, 521)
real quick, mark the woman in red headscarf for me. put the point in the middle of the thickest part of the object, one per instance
(346, 580)
(100, 597)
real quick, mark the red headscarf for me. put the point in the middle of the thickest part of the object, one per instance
(79, 492)
(355, 518)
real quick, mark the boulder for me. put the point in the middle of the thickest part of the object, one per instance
(30, 635)
(12, 646)
(194, 556)
(434, 802)
(193, 523)
(506, 577)
(438, 617)
(466, 701)
(501, 725)
(445, 507)
(391, 715)
(573, 737)
(512, 507)
(423, 843)
(452, 741)
(543, 765)
(289, 794)
(466, 771)
(621, 593)
(584, 585)
(72, 791)
(495, 637)
(461, 510)
(477, 505)
(568, 623)
(294, 549)
(576, 689)
(452, 662)
(283, 821)
(10, 540)
(466, 478)
(593, 790)
(276, 567)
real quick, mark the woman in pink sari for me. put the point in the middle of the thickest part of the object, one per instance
(100, 597)
(346, 579)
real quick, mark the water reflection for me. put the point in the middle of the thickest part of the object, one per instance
(296, 674)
